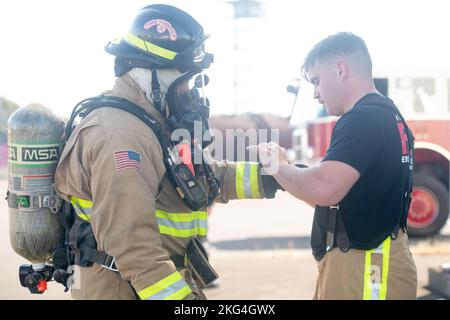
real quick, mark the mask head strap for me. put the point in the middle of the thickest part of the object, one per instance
(156, 92)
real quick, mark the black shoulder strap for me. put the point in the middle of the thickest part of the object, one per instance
(407, 172)
(407, 169)
(79, 235)
(125, 105)
(86, 106)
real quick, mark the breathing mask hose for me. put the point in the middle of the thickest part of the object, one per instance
(81, 109)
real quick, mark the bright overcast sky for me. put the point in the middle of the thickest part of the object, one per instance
(52, 51)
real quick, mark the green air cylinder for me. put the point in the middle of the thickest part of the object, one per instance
(34, 147)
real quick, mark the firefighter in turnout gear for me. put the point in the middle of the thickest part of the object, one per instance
(116, 170)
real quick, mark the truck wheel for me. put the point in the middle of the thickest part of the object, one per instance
(429, 208)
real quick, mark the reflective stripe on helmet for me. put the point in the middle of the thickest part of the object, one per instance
(375, 280)
(247, 186)
(83, 208)
(149, 47)
(182, 225)
(172, 287)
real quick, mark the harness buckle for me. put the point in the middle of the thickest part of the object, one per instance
(111, 266)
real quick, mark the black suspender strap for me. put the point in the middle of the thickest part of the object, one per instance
(342, 240)
(407, 178)
(331, 227)
(407, 175)
(336, 232)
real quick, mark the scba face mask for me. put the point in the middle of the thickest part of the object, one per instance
(188, 106)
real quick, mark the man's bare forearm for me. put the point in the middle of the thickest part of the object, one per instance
(303, 183)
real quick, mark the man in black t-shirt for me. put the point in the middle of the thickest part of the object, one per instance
(359, 230)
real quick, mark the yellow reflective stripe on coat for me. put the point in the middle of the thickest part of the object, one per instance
(247, 186)
(375, 280)
(182, 225)
(83, 208)
(172, 287)
(149, 47)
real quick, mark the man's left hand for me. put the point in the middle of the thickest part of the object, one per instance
(271, 156)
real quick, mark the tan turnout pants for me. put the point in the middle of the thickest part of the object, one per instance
(387, 272)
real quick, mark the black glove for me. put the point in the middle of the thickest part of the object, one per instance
(271, 185)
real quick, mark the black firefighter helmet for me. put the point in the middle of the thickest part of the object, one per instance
(165, 37)
(161, 36)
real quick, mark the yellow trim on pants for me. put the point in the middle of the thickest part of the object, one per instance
(375, 281)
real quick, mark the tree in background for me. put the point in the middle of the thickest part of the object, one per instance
(7, 107)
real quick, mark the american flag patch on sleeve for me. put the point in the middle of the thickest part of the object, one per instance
(127, 160)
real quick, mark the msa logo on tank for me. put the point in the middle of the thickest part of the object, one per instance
(12, 153)
(40, 154)
(33, 154)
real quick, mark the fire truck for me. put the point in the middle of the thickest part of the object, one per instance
(425, 104)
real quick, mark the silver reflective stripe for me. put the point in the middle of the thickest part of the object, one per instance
(379, 249)
(82, 212)
(246, 181)
(202, 223)
(376, 291)
(86, 211)
(180, 224)
(376, 275)
(161, 295)
(176, 224)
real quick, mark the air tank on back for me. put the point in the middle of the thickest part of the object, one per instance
(34, 146)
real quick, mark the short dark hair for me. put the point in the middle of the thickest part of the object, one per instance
(342, 43)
